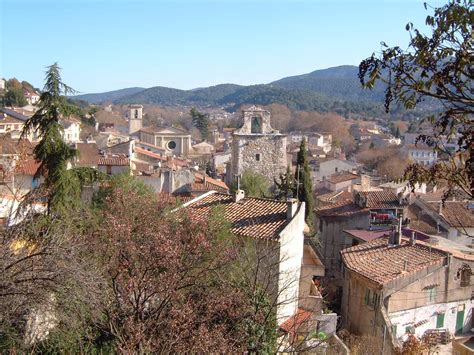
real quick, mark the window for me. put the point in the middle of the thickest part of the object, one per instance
(335, 169)
(464, 273)
(256, 125)
(136, 113)
(431, 294)
(171, 145)
(371, 298)
(2, 126)
(257, 157)
(440, 320)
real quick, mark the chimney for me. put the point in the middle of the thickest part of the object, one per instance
(413, 238)
(405, 265)
(238, 195)
(365, 183)
(397, 232)
(291, 207)
(440, 207)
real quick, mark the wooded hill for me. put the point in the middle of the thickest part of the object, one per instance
(334, 89)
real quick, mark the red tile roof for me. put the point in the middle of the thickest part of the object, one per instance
(454, 213)
(381, 262)
(367, 235)
(292, 324)
(341, 209)
(251, 217)
(27, 167)
(211, 183)
(88, 155)
(335, 179)
(420, 221)
(114, 160)
(378, 199)
(142, 151)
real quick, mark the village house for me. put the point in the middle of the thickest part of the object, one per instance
(421, 153)
(396, 286)
(276, 228)
(330, 222)
(71, 130)
(341, 182)
(322, 169)
(31, 96)
(361, 210)
(450, 219)
(11, 122)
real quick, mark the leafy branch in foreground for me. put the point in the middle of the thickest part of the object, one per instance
(435, 67)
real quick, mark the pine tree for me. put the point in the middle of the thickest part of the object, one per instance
(397, 133)
(201, 122)
(304, 183)
(62, 186)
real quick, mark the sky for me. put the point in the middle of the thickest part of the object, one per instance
(104, 45)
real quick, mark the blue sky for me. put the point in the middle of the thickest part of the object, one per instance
(106, 45)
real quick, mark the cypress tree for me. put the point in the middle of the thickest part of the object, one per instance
(304, 183)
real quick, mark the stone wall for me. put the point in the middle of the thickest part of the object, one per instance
(264, 154)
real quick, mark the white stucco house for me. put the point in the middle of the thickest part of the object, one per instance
(277, 230)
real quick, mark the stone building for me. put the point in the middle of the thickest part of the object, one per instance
(172, 140)
(396, 286)
(256, 146)
(135, 118)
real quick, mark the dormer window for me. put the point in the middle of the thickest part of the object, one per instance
(256, 126)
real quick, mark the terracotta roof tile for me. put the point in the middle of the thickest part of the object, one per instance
(88, 155)
(292, 324)
(114, 160)
(378, 199)
(381, 262)
(455, 213)
(341, 209)
(211, 183)
(367, 235)
(252, 217)
(335, 179)
(27, 167)
(420, 221)
(149, 154)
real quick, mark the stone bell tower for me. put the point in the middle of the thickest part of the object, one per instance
(257, 147)
(135, 118)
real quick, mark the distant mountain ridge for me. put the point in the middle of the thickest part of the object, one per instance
(332, 89)
(109, 96)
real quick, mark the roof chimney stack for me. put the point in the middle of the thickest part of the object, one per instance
(291, 207)
(238, 195)
(413, 238)
(397, 232)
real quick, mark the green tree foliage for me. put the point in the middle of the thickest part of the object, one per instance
(14, 94)
(201, 122)
(285, 187)
(304, 183)
(436, 67)
(62, 186)
(254, 184)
